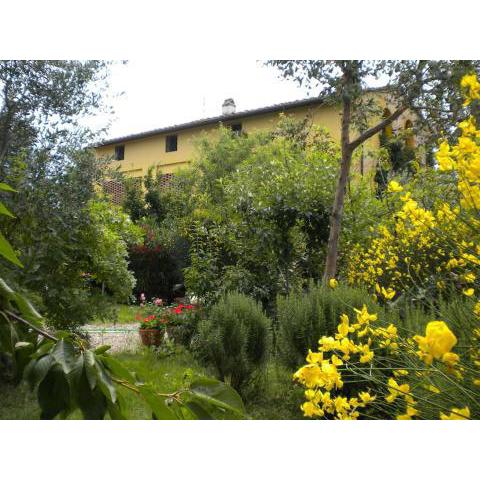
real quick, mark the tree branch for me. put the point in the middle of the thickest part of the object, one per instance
(33, 327)
(377, 128)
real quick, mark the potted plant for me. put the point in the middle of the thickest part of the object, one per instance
(152, 330)
(152, 321)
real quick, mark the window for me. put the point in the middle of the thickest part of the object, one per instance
(236, 128)
(171, 143)
(119, 152)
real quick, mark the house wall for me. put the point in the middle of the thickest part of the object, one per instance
(143, 153)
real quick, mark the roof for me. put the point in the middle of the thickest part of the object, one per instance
(279, 107)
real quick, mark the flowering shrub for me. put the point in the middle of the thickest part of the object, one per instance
(374, 370)
(370, 370)
(157, 316)
(430, 249)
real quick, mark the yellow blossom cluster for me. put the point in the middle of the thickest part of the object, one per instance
(437, 248)
(322, 376)
(361, 347)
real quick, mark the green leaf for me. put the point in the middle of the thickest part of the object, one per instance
(36, 370)
(53, 394)
(198, 410)
(23, 350)
(7, 251)
(90, 369)
(5, 211)
(118, 369)
(6, 188)
(115, 411)
(159, 408)
(44, 348)
(218, 391)
(64, 354)
(102, 349)
(73, 376)
(92, 402)
(105, 382)
(27, 310)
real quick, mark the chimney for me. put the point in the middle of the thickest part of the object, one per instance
(228, 107)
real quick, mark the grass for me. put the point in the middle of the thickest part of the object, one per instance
(273, 396)
(125, 314)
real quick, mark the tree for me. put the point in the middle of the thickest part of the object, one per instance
(42, 102)
(427, 88)
(72, 243)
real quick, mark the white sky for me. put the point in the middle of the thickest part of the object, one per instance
(159, 93)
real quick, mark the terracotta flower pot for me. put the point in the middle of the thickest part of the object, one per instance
(151, 336)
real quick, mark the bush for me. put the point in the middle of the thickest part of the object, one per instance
(302, 318)
(235, 339)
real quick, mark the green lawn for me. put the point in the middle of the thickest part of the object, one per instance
(126, 313)
(273, 397)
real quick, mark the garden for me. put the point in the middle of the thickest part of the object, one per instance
(272, 278)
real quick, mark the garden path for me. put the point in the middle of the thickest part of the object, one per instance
(122, 338)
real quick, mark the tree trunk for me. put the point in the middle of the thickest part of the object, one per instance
(337, 210)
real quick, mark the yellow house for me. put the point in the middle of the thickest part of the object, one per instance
(173, 147)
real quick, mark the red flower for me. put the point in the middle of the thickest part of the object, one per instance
(189, 307)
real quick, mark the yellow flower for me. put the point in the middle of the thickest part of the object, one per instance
(450, 359)
(314, 357)
(309, 375)
(476, 309)
(472, 87)
(363, 316)
(365, 397)
(333, 283)
(399, 373)
(343, 327)
(469, 292)
(310, 409)
(469, 277)
(411, 412)
(394, 187)
(438, 340)
(432, 388)
(367, 354)
(456, 414)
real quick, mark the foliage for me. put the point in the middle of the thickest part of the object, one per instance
(73, 245)
(263, 229)
(235, 339)
(67, 376)
(42, 103)
(303, 317)
(427, 88)
(155, 262)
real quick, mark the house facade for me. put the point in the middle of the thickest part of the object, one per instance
(171, 148)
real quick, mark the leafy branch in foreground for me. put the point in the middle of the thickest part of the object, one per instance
(68, 376)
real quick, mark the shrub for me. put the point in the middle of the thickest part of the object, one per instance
(234, 338)
(302, 318)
